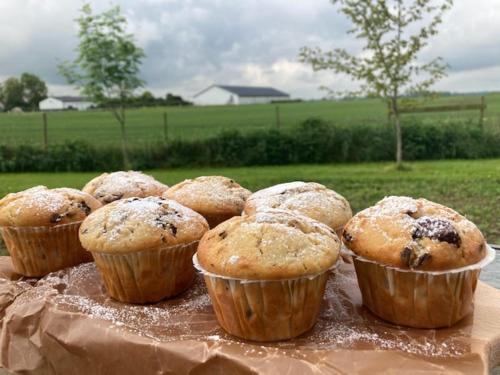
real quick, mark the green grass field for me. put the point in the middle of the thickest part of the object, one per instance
(470, 187)
(146, 125)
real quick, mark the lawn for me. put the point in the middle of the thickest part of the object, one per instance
(145, 125)
(470, 187)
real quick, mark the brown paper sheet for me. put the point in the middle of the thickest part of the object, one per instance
(65, 323)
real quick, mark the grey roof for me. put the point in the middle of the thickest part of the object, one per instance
(71, 98)
(249, 91)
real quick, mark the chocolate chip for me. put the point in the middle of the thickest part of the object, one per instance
(436, 229)
(223, 234)
(249, 313)
(173, 229)
(55, 218)
(406, 256)
(422, 259)
(84, 207)
(347, 236)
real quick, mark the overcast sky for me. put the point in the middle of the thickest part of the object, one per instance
(191, 44)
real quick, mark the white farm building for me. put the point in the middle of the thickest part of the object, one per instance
(224, 94)
(57, 103)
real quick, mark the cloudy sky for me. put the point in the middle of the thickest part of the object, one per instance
(191, 44)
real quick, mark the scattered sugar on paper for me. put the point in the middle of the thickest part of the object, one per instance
(191, 317)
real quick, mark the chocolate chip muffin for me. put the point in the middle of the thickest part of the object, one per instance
(307, 198)
(143, 247)
(40, 228)
(411, 257)
(415, 234)
(109, 187)
(266, 273)
(217, 198)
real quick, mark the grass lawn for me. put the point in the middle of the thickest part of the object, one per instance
(145, 125)
(470, 187)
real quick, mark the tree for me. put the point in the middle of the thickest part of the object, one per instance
(12, 93)
(146, 99)
(393, 32)
(34, 90)
(108, 62)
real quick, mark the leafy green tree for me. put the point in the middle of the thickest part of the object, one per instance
(146, 98)
(12, 93)
(34, 90)
(108, 62)
(394, 32)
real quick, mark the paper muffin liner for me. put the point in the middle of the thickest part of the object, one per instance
(147, 276)
(37, 251)
(265, 310)
(419, 299)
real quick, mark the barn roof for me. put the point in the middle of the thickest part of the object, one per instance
(71, 98)
(249, 91)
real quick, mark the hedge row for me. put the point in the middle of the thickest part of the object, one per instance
(314, 141)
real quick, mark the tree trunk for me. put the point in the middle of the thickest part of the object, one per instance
(399, 138)
(399, 141)
(126, 163)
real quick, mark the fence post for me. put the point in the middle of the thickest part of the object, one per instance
(481, 112)
(45, 135)
(278, 122)
(165, 127)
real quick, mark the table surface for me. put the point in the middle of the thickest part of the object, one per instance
(65, 322)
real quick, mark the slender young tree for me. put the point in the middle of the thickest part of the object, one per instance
(107, 65)
(393, 32)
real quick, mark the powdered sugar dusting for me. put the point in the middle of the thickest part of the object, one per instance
(343, 323)
(153, 211)
(216, 191)
(287, 187)
(299, 196)
(40, 197)
(116, 185)
(394, 205)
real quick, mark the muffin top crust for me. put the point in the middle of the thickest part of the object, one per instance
(414, 234)
(210, 195)
(109, 187)
(135, 224)
(269, 245)
(307, 198)
(41, 206)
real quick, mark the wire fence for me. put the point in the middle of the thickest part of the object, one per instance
(153, 125)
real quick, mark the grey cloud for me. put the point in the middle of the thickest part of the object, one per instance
(190, 44)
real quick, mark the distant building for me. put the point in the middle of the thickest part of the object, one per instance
(57, 103)
(224, 94)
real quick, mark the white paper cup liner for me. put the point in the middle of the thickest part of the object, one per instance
(420, 299)
(37, 251)
(147, 276)
(265, 310)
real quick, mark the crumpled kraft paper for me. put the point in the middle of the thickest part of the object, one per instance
(65, 323)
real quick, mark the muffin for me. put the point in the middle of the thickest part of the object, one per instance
(266, 273)
(40, 228)
(307, 198)
(109, 187)
(417, 261)
(143, 247)
(217, 198)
